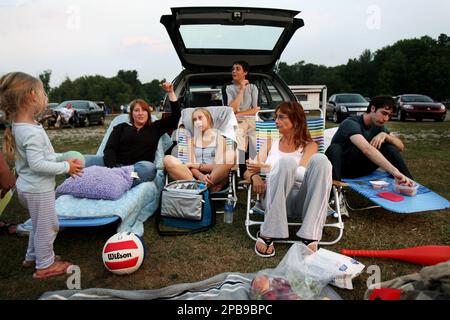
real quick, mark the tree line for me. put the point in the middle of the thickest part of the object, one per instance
(409, 66)
(115, 91)
(419, 66)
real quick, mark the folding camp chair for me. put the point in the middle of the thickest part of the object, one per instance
(225, 121)
(266, 130)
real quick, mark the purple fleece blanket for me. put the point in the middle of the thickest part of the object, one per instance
(99, 183)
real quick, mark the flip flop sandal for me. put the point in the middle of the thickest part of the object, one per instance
(58, 268)
(267, 243)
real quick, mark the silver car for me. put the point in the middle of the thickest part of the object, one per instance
(342, 105)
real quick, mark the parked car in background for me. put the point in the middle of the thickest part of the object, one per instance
(102, 106)
(419, 107)
(86, 112)
(52, 105)
(125, 108)
(209, 39)
(342, 105)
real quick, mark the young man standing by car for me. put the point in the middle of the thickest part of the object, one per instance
(243, 98)
(363, 143)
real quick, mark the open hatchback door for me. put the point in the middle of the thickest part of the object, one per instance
(212, 38)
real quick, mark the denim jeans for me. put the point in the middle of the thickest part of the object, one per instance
(352, 163)
(145, 170)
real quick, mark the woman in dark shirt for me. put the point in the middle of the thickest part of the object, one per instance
(135, 143)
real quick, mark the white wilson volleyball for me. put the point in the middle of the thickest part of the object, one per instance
(123, 253)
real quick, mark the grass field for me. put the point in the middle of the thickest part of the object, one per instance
(226, 248)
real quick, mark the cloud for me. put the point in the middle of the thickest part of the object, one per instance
(151, 44)
(14, 3)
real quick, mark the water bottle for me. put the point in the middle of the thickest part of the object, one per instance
(229, 208)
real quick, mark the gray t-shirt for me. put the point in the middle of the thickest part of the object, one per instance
(355, 125)
(250, 98)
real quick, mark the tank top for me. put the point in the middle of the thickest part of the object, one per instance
(275, 154)
(206, 154)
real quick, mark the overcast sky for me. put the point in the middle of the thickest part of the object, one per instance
(88, 37)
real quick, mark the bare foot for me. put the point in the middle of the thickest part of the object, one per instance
(32, 263)
(217, 187)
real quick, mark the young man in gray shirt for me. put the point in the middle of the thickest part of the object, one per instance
(243, 98)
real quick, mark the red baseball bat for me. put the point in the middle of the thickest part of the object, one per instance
(425, 255)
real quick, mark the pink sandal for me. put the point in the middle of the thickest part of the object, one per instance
(58, 268)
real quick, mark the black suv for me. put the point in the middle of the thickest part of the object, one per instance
(209, 39)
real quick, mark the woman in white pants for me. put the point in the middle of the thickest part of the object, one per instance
(298, 182)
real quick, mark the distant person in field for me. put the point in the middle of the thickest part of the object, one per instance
(65, 115)
(362, 144)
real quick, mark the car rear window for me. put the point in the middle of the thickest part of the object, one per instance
(212, 36)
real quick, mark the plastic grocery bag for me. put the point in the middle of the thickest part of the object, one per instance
(344, 268)
(303, 274)
(295, 278)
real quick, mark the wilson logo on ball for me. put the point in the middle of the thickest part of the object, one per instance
(123, 253)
